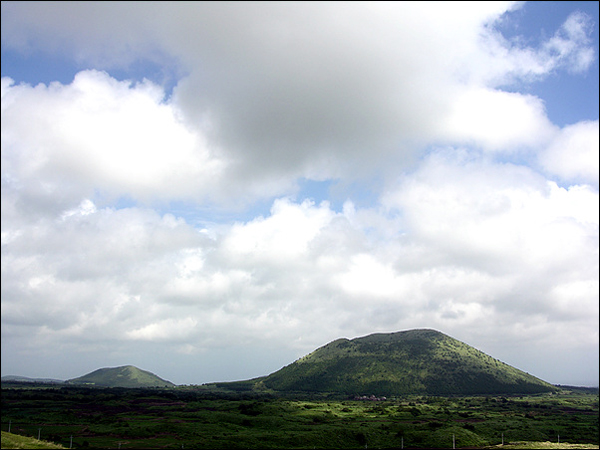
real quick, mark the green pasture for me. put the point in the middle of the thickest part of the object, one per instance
(196, 418)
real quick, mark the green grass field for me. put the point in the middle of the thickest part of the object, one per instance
(196, 417)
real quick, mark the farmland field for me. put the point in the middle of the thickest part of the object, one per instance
(200, 417)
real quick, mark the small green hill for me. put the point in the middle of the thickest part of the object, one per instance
(418, 361)
(124, 376)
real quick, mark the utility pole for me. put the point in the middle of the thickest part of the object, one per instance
(39, 431)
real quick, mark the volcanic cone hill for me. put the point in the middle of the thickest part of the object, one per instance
(418, 361)
(124, 376)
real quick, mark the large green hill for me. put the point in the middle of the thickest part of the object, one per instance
(124, 376)
(418, 361)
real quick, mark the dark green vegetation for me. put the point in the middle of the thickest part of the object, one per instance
(403, 363)
(125, 376)
(206, 417)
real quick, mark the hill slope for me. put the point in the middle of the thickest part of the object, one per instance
(408, 362)
(10, 440)
(124, 376)
(30, 380)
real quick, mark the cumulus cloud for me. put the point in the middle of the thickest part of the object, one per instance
(464, 235)
(100, 134)
(496, 242)
(282, 236)
(573, 153)
(497, 121)
(303, 89)
(505, 214)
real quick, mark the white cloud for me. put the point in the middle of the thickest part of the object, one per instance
(164, 329)
(283, 236)
(527, 249)
(498, 215)
(279, 91)
(570, 45)
(148, 278)
(498, 61)
(275, 92)
(497, 121)
(101, 134)
(369, 277)
(573, 154)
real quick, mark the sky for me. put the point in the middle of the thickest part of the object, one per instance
(211, 190)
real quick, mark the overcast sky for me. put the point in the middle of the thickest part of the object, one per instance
(210, 190)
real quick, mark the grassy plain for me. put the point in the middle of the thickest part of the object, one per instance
(198, 417)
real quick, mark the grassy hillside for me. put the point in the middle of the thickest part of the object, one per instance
(9, 378)
(408, 362)
(124, 376)
(10, 440)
